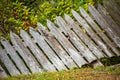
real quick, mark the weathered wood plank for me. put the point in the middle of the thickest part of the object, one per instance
(37, 52)
(99, 31)
(76, 41)
(110, 9)
(11, 51)
(109, 19)
(25, 54)
(66, 44)
(57, 47)
(114, 6)
(101, 21)
(91, 33)
(84, 37)
(8, 63)
(3, 74)
(47, 50)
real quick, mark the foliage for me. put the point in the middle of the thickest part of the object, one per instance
(101, 73)
(5, 13)
(20, 14)
(15, 16)
(110, 61)
(49, 10)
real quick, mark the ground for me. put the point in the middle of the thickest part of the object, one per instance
(98, 73)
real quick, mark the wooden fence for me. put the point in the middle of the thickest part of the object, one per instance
(66, 45)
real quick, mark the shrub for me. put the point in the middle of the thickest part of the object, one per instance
(15, 16)
(5, 13)
(21, 14)
(51, 9)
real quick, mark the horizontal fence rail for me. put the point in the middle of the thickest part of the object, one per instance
(70, 43)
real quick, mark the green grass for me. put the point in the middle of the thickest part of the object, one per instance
(100, 73)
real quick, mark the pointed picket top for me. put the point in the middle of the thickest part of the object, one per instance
(41, 28)
(13, 34)
(23, 32)
(34, 32)
(60, 21)
(31, 28)
(51, 25)
(80, 20)
(44, 30)
(82, 10)
(75, 14)
(62, 24)
(69, 19)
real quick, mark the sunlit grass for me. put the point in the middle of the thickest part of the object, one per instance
(100, 73)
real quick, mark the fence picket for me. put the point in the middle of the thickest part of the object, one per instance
(101, 21)
(37, 52)
(25, 54)
(84, 37)
(8, 63)
(112, 11)
(11, 51)
(91, 33)
(57, 47)
(65, 43)
(47, 50)
(76, 41)
(109, 19)
(99, 31)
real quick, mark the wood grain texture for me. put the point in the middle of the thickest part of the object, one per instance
(25, 54)
(75, 40)
(84, 37)
(8, 63)
(109, 19)
(100, 33)
(112, 10)
(66, 44)
(11, 51)
(47, 66)
(91, 33)
(47, 50)
(101, 21)
(50, 38)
